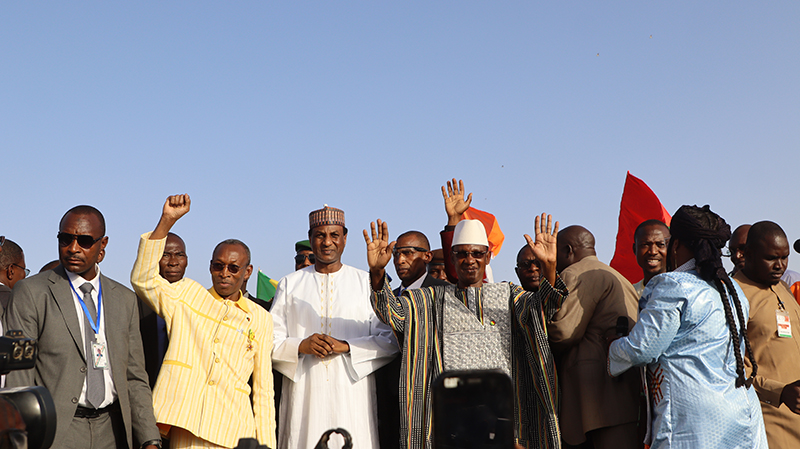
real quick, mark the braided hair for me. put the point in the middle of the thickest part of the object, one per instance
(705, 233)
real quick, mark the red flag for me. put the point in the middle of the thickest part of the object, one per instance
(493, 232)
(638, 204)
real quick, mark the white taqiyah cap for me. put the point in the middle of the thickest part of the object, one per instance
(470, 232)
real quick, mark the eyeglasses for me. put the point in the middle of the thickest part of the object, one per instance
(476, 254)
(728, 252)
(84, 241)
(2, 239)
(527, 264)
(407, 251)
(219, 266)
(300, 258)
(27, 271)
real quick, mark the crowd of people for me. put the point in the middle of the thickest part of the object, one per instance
(689, 357)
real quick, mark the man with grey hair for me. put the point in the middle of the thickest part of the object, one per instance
(475, 315)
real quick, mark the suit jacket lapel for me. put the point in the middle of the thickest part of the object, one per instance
(427, 282)
(62, 293)
(115, 328)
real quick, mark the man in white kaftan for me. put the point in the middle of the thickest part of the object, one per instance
(328, 342)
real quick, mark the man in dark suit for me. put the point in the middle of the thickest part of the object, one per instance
(171, 267)
(411, 256)
(12, 269)
(103, 400)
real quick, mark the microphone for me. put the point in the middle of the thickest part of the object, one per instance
(622, 326)
(797, 245)
(621, 331)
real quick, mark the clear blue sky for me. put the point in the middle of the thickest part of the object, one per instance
(264, 111)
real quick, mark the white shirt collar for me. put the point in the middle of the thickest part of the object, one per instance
(78, 280)
(415, 284)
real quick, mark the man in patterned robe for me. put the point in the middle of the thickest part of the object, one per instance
(439, 325)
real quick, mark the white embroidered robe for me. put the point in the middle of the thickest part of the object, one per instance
(337, 391)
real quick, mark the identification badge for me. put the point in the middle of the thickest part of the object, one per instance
(99, 355)
(784, 324)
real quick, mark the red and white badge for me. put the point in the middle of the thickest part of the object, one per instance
(784, 324)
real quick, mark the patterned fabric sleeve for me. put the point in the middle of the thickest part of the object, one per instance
(389, 308)
(535, 376)
(547, 301)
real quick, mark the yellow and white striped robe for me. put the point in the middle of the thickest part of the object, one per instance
(214, 347)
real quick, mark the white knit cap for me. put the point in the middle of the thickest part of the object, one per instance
(470, 232)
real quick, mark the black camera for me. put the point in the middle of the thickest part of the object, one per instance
(473, 409)
(17, 352)
(34, 404)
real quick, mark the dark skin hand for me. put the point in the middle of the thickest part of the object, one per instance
(379, 252)
(454, 202)
(174, 208)
(322, 345)
(379, 249)
(791, 396)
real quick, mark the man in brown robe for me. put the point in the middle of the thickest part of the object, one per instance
(775, 346)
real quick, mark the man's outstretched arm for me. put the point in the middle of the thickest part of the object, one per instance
(175, 207)
(455, 204)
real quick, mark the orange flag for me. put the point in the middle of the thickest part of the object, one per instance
(493, 232)
(638, 204)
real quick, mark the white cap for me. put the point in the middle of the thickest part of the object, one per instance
(470, 232)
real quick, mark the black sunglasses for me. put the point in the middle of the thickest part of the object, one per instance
(300, 258)
(461, 255)
(219, 266)
(84, 241)
(527, 264)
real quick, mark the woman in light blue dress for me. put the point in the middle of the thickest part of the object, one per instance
(691, 335)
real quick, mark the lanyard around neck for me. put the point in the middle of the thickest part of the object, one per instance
(95, 326)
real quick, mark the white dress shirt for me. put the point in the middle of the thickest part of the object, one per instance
(77, 281)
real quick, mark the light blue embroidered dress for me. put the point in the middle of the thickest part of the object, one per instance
(684, 340)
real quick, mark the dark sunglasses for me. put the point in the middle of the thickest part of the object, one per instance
(219, 266)
(300, 258)
(461, 255)
(84, 241)
(408, 250)
(527, 264)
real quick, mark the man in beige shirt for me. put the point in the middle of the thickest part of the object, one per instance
(773, 332)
